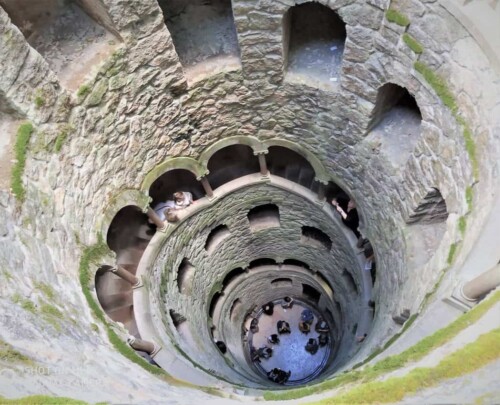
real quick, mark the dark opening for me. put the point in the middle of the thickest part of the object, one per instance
(215, 237)
(262, 262)
(200, 29)
(172, 181)
(396, 99)
(234, 308)
(230, 163)
(315, 237)
(298, 263)
(313, 42)
(350, 281)
(354, 328)
(291, 165)
(282, 282)
(128, 226)
(185, 275)
(263, 217)
(311, 293)
(431, 209)
(177, 318)
(233, 274)
(213, 303)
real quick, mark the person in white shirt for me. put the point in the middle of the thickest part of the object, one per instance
(162, 209)
(182, 199)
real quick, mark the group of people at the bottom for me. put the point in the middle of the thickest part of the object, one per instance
(283, 327)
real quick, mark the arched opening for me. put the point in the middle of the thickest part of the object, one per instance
(213, 304)
(231, 162)
(201, 30)
(282, 282)
(177, 319)
(172, 181)
(68, 34)
(292, 166)
(430, 210)
(351, 283)
(185, 274)
(263, 217)
(262, 262)
(396, 122)
(311, 293)
(232, 275)
(315, 237)
(234, 308)
(297, 263)
(313, 44)
(215, 237)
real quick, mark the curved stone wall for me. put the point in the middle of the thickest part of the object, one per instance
(137, 110)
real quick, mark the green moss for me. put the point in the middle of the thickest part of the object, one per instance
(451, 253)
(469, 197)
(413, 44)
(478, 354)
(39, 101)
(83, 90)
(396, 17)
(91, 257)
(41, 400)
(444, 93)
(28, 305)
(94, 327)
(61, 138)
(20, 149)
(392, 363)
(7, 275)
(46, 289)
(462, 225)
(50, 310)
(10, 355)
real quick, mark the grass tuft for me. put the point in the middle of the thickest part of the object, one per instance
(41, 400)
(83, 90)
(462, 225)
(10, 355)
(46, 289)
(60, 140)
(22, 140)
(469, 197)
(451, 253)
(413, 44)
(396, 17)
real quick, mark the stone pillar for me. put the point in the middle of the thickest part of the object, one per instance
(143, 346)
(155, 219)
(207, 187)
(262, 163)
(321, 192)
(482, 284)
(126, 275)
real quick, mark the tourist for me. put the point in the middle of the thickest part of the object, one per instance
(254, 325)
(322, 326)
(349, 218)
(268, 309)
(287, 302)
(361, 338)
(312, 346)
(171, 216)
(307, 316)
(254, 355)
(265, 352)
(182, 199)
(323, 340)
(273, 339)
(162, 209)
(283, 327)
(304, 327)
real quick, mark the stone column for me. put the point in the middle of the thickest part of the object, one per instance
(321, 192)
(143, 345)
(207, 187)
(482, 284)
(262, 163)
(126, 275)
(155, 219)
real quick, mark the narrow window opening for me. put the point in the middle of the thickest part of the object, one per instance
(431, 209)
(231, 276)
(263, 217)
(350, 281)
(313, 45)
(213, 304)
(234, 308)
(262, 262)
(185, 276)
(164, 187)
(202, 31)
(286, 163)
(282, 282)
(215, 238)
(177, 319)
(311, 293)
(297, 263)
(315, 237)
